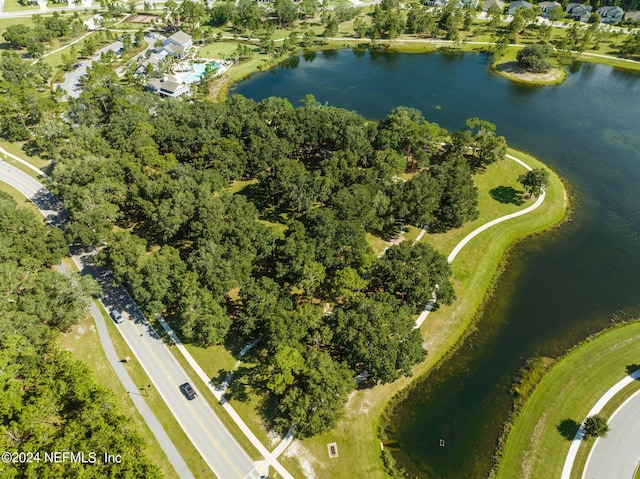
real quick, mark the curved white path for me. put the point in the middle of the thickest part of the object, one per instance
(620, 445)
(430, 305)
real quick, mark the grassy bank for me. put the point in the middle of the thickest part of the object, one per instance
(82, 340)
(357, 434)
(539, 441)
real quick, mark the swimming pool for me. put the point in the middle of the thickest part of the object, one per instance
(195, 74)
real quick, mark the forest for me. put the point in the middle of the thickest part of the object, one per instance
(48, 400)
(243, 220)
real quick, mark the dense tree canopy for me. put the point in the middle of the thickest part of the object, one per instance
(48, 400)
(251, 218)
(535, 58)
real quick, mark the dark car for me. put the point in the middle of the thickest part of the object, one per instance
(188, 391)
(117, 316)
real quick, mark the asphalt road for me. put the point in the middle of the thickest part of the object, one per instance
(214, 442)
(71, 84)
(617, 455)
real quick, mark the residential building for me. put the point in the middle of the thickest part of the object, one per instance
(513, 6)
(632, 16)
(490, 3)
(610, 14)
(577, 11)
(546, 7)
(168, 86)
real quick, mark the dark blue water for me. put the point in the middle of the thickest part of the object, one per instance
(559, 287)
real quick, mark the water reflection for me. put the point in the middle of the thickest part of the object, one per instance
(558, 287)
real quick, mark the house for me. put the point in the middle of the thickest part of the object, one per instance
(173, 50)
(468, 4)
(179, 39)
(610, 14)
(546, 7)
(513, 6)
(167, 86)
(577, 11)
(152, 61)
(436, 3)
(632, 16)
(490, 3)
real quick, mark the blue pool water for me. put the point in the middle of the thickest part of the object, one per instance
(194, 75)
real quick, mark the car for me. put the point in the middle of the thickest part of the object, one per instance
(116, 316)
(77, 65)
(188, 391)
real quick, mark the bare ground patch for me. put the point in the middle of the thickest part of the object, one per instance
(527, 460)
(306, 460)
(513, 71)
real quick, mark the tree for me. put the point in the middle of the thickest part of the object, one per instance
(127, 42)
(535, 58)
(556, 14)
(201, 319)
(534, 181)
(315, 405)
(286, 11)
(595, 426)
(18, 36)
(459, 199)
(375, 337)
(331, 29)
(247, 15)
(411, 273)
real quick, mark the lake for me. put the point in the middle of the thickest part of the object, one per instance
(559, 287)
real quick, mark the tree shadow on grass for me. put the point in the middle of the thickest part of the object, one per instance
(568, 429)
(507, 195)
(633, 370)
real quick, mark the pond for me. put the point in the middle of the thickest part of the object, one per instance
(559, 287)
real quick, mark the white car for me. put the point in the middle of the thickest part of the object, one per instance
(116, 316)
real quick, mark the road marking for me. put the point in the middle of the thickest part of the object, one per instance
(195, 416)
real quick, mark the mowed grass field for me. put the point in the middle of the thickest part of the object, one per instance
(539, 441)
(473, 274)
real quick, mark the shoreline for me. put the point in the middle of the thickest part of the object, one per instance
(360, 432)
(511, 71)
(580, 365)
(467, 329)
(220, 90)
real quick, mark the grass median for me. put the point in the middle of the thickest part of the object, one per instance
(539, 441)
(474, 274)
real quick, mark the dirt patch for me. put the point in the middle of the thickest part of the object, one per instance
(358, 404)
(142, 18)
(527, 461)
(513, 71)
(305, 459)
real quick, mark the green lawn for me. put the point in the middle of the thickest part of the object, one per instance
(221, 49)
(539, 441)
(19, 198)
(356, 434)
(207, 361)
(498, 181)
(15, 6)
(5, 22)
(16, 149)
(187, 450)
(82, 340)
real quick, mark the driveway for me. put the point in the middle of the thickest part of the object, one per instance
(71, 84)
